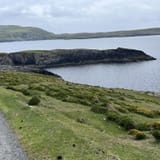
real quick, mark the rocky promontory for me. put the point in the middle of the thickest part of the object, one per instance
(41, 59)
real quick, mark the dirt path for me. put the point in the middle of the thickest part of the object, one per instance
(9, 147)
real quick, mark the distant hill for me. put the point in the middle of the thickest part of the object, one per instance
(19, 33)
(10, 33)
(128, 33)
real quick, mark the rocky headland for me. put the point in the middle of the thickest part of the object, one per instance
(38, 60)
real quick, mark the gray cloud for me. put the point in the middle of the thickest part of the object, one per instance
(82, 15)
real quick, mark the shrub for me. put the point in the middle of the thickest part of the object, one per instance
(144, 126)
(156, 134)
(59, 158)
(34, 100)
(133, 131)
(100, 110)
(156, 125)
(126, 122)
(142, 111)
(113, 116)
(122, 120)
(81, 120)
(26, 92)
(140, 135)
(11, 88)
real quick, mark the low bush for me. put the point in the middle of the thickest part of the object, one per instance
(140, 135)
(156, 134)
(124, 121)
(12, 88)
(81, 120)
(34, 100)
(156, 125)
(144, 126)
(142, 111)
(133, 131)
(100, 110)
(26, 92)
(113, 116)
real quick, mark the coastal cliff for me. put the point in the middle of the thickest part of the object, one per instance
(76, 57)
(65, 57)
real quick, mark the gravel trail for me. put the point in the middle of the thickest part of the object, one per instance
(9, 147)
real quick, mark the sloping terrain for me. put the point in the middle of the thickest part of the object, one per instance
(9, 33)
(19, 33)
(127, 33)
(77, 122)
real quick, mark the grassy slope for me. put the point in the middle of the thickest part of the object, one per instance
(19, 33)
(63, 124)
(127, 33)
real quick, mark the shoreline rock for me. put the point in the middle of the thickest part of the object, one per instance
(38, 60)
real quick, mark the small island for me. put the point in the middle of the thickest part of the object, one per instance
(38, 60)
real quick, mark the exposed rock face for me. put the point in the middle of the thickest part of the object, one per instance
(5, 60)
(63, 57)
(76, 56)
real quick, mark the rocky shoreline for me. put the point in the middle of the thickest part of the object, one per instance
(38, 60)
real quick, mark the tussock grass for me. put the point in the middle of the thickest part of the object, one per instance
(78, 121)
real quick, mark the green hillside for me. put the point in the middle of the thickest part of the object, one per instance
(18, 33)
(79, 122)
(10, 33)
(128, 33)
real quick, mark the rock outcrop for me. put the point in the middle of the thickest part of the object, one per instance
(76, 57)
(64, 57)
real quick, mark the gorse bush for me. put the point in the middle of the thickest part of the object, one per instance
(140, 135)
(126, 122)
(133, 131)
(156, 134)
(34, 100)
(113, 116)
(142, 111)
(122, 120)
(156, 125)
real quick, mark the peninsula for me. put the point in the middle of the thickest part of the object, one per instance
(38, 60)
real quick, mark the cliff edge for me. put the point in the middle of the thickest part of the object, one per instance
(65, 57)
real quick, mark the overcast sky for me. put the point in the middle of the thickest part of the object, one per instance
(81, 15)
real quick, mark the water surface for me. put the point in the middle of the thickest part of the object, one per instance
(137, 76)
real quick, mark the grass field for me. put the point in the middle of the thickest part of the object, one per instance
(78, 122)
